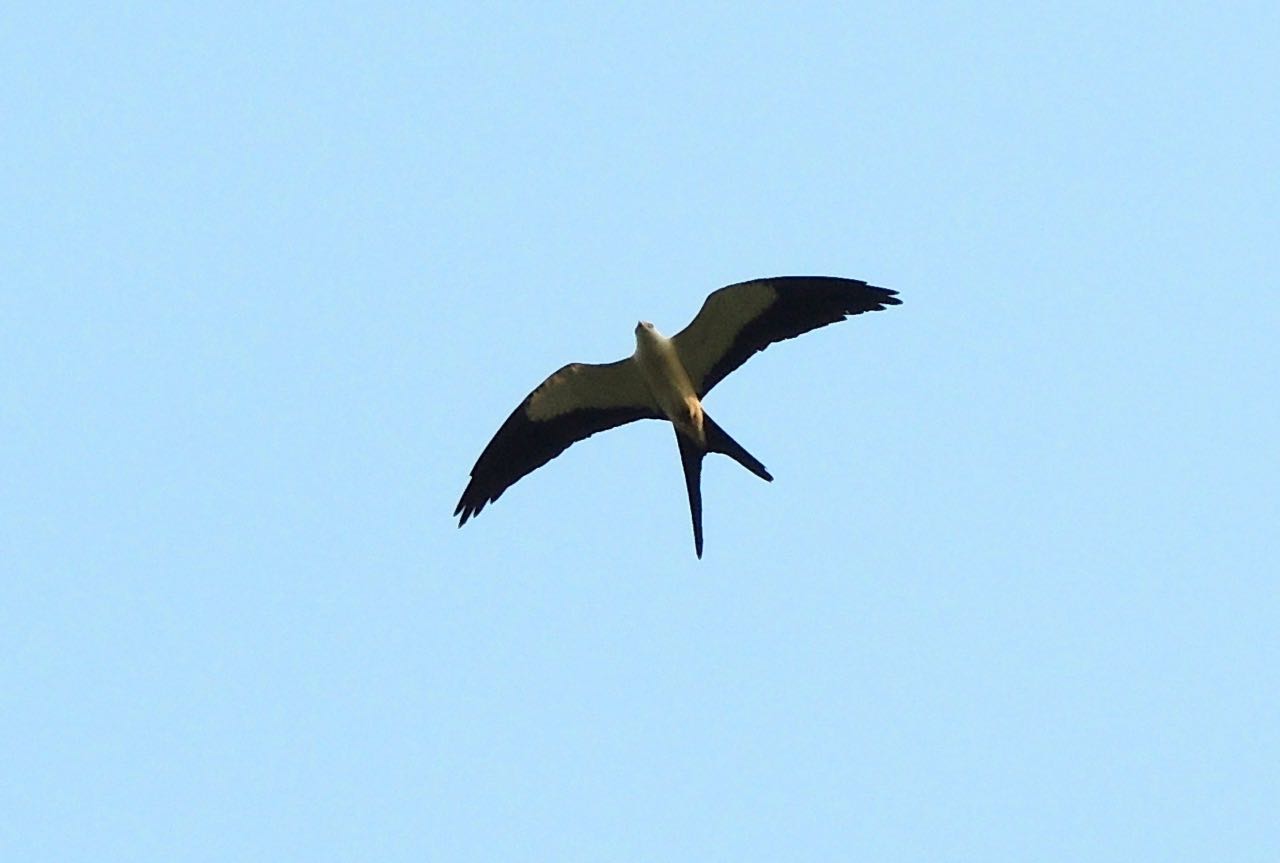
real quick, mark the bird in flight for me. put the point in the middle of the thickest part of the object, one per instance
(666, 378)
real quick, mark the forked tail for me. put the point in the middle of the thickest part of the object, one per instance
(718, 440)
(691, 456)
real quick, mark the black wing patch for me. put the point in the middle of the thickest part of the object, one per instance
(803, 303)
(522, 445)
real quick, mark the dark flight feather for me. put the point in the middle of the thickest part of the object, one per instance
(803, 303)
(523, 445)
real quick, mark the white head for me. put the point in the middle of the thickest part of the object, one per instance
(646, 331)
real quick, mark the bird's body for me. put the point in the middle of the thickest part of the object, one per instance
(659, 363)
(665, 379)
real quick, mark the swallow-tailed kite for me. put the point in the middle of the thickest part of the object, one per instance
(666, 379)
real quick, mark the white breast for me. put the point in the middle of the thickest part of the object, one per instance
(668, 380)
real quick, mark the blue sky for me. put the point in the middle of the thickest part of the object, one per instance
(274, 275)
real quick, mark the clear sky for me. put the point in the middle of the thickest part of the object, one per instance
(271, 276)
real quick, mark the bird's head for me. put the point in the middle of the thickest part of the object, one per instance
(645, 332)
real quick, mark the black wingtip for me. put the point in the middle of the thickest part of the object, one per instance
(467, 507)
(881, 297)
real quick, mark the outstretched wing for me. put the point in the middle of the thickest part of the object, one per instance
(574, 403)
(740, 320)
